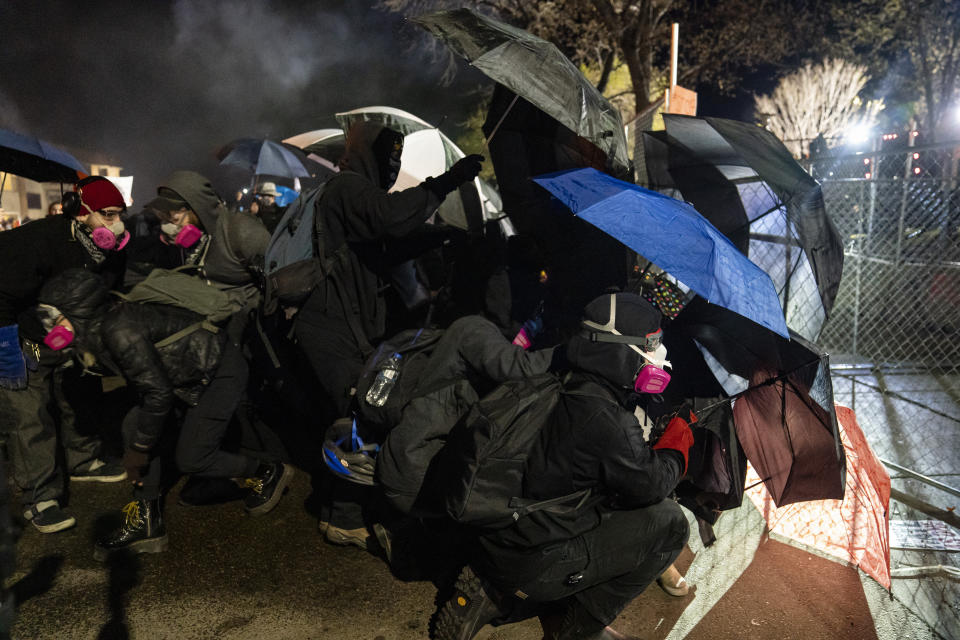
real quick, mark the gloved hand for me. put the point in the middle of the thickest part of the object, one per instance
(13, 368)
(135, 462)
(678, 437)
(534, 326)
(463, 170)
(466, 168)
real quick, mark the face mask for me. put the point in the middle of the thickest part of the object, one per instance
(58, 338)
(185, 236)
(652, 378)
(113, 237)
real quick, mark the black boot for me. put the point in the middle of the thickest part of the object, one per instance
(266, 488)
(472, 605)
(201, 492)
(142, 531)
(576, 623)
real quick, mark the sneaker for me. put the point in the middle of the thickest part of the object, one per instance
(266, 488)
(142, 531)
(99, 471)
(47, 517)
(385, 538)
(673, 583)
(345, 537)
(468, 609)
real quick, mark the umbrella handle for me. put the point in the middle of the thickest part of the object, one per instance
(500, 122)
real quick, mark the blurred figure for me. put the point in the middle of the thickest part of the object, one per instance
(265, 206)
(55, 209)
(89, 235)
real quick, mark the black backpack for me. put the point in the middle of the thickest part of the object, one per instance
(481, 466)
(416, 346)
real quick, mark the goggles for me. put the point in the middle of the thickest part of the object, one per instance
(608, 333)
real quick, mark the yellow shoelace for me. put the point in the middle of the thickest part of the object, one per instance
(254, 483)
(132, 513)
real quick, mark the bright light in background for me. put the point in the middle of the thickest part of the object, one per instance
(858, 133)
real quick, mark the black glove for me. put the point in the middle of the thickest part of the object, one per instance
(134, 462)
(464, 170)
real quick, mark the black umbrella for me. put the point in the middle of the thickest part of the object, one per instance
(781, 397)
(37, 160)
(742, 179)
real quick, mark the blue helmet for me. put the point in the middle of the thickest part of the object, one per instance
(347, 455)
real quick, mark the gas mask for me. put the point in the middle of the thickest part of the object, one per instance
(185, 236)
(111, 237)
(651, 376)
(387, 150)
(58, 336)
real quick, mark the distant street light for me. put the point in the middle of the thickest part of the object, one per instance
(858, 133)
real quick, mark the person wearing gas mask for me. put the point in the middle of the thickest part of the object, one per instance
(90, 235)
(265, 207)
(578, 569)
(182, 373)
(346, 312)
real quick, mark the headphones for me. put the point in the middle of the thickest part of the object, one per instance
(72, 200)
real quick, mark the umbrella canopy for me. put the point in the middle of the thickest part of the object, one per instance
(37, 160)
(675, 237)
(426, 152)
(742, 179)
(323, 146)
(535, 70)
(782, 396)
(264, 157)
(856, 529)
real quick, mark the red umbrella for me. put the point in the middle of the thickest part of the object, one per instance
(854, 530)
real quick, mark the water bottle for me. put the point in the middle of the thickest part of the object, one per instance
(386, 378)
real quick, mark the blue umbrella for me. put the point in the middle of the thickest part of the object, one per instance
(264, 157)
(676, 238)
(37, 160)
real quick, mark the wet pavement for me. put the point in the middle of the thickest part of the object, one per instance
(232, 576)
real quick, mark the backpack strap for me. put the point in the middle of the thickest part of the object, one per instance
(183, 333)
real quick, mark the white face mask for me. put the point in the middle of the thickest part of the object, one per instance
(117, 228)
(170, 230)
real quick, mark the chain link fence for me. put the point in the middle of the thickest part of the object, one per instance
(894, 343)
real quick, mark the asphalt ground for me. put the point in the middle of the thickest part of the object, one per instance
(232, 576)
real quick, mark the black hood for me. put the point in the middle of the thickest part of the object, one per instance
(616, 363)
(199, 195)
(83, 298)
(369, 146)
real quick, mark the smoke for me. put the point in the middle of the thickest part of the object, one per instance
(155, 87)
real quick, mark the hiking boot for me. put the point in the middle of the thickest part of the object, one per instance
(345, 537)
(47, 517)
(201, 492)
(266, 488)
(142, 531)
(673, 583)
(99, 471)
(468, 609)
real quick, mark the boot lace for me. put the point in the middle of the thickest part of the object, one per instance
(132, 519)
(254, 483)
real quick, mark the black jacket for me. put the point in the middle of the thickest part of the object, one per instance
(592, 440)
(357, 211)
(470, 358)
(32, 254)
(122, 337)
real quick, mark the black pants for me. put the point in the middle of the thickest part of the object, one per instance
(197, 449)
(337, 361)
(604, 568)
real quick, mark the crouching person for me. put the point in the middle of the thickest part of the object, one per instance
(178, 368)
(577, 569)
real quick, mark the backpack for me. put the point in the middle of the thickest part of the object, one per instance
(295, 261)
(416, 346)
(176, 288)
(482, 463)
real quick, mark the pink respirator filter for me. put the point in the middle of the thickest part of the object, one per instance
(651, 379)
(59, 337)
(188, 236)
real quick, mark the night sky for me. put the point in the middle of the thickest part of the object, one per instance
(158, 86)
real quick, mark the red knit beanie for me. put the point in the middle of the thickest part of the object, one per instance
(99, 193)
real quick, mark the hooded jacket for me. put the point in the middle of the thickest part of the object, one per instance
(593, 439)
(33, 253)
(122, 336)
(356, 210)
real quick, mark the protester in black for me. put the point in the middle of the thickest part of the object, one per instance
(346, 312)
(195, 376)
(579, 569)
(88, 235)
